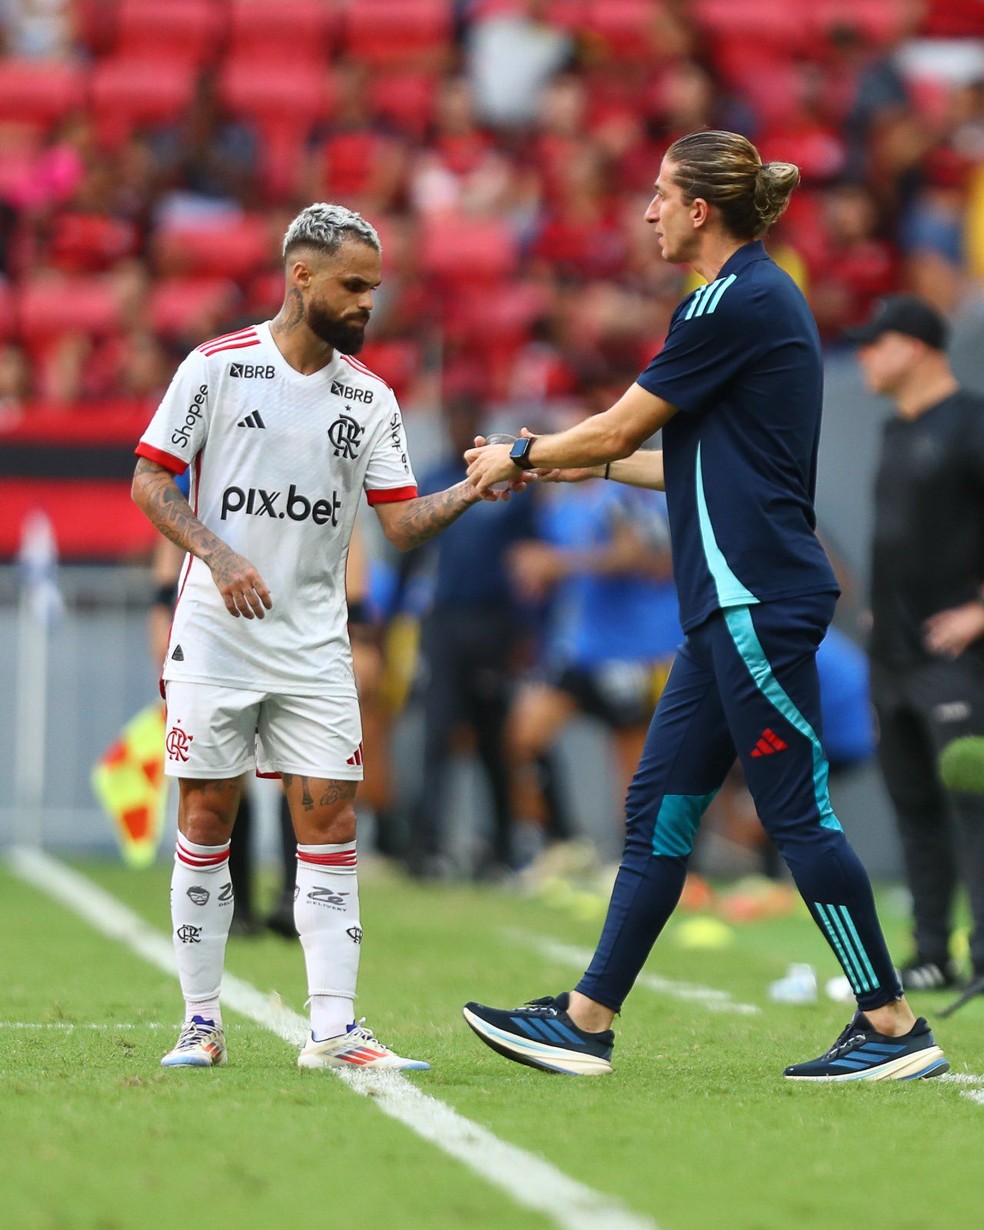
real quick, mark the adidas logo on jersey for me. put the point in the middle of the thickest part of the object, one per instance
(178, 655)
(351, 393)
(253, 371)
(252, 420)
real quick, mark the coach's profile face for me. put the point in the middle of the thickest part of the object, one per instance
(337, 292)
(675, 219)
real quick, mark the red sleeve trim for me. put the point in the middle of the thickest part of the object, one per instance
(391, 495)
(174, 464)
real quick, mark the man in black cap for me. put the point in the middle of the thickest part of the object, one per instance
(927, 604)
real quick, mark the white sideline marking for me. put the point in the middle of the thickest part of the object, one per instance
(528, 1179)
(83, 1025)
(710, 997)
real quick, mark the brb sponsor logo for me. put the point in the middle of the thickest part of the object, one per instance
(258, 502)
(351, 393)
(252, 371)
(181, 435)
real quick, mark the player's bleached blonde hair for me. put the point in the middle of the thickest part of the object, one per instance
(726, 170)
(326, 227)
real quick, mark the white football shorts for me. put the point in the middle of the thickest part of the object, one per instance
(216, 732)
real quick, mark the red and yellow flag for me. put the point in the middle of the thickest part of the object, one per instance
(130, 784)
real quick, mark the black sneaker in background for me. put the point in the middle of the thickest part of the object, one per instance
(861, 1053)
(542, 1035)
(929, 976)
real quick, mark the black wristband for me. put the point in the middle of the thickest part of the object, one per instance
(359, 613)
(608, 469)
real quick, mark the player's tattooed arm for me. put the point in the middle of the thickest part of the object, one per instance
(243, 590)
(410, 523)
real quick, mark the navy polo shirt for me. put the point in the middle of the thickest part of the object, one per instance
(742, 364)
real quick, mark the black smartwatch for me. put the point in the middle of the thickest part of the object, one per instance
(519, 454)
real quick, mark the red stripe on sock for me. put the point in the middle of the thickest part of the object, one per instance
(191, 859)
(345, 858)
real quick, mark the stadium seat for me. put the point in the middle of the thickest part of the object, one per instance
(188, 30)
(619, 29)
(404, 101)
(189, 307)
(567, 14)
(412, 33)
(129, 94)
(394, 361)
(233, 250)
(286, 31)
(90, 242)
(467, 249)
(763, 23)
(52, 305)
(39, 92)
(282, 102)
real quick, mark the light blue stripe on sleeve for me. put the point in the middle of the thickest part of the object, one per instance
(700, 296)
(710, 302)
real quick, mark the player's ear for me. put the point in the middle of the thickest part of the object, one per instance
(699, 211)
(300, 274)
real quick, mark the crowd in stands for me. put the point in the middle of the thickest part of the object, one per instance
(151, 155)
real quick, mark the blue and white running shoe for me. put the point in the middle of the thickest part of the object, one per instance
(542, 1035)
(861, 1053)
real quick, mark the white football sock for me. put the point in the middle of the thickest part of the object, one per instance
(326, 915)
(201, 913)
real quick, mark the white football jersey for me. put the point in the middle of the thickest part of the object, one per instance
(278, 462)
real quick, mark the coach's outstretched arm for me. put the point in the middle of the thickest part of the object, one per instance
(243, 590)
(612, 436)
(410, 523)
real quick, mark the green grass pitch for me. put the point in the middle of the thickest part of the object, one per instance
(696, 1129)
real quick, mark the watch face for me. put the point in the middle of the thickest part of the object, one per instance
(520, 450)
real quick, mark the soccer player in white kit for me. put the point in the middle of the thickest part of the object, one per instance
(283, 429)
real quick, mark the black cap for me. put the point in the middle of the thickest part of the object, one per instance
(906, 314)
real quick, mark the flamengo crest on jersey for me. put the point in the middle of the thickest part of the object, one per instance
(279, 463)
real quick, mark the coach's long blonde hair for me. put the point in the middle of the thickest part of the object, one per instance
(725, 169)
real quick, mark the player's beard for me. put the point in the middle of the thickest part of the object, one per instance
(345, 336)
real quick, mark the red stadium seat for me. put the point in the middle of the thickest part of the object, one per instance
(52, 305)
(282, 102)
(229, 249)
(414, 33)
(268, 93)
(189, 30)
(770, 23)
(40, 92)
(90, 242)
(466, 249)
(394, 361)
(129, 94)
(619, 29)
(288, 31)
(405, 101)
(190, 307)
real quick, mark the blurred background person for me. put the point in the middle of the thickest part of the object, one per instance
(927, 619)
(472, 641)
(600, 571)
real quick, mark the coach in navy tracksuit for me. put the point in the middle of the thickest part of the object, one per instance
(737, 391)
